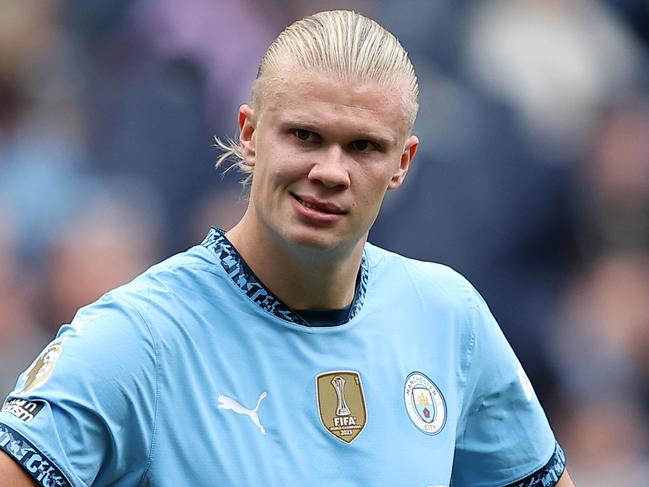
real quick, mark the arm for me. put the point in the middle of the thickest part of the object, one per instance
(565, 480)
(11, 474)
(93, 401)
(505, 434)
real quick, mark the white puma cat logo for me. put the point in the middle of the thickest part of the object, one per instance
(226, 402)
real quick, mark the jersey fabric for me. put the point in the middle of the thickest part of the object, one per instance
(195, 374)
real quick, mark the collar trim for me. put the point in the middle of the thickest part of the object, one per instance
(245, 279)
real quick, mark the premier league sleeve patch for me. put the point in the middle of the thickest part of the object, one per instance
(424, 403)
(41, 369)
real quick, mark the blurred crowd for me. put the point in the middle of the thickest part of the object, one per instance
(532, 177)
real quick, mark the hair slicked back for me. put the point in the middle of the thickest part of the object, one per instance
(345, 44)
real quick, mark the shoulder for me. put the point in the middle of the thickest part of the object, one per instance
(176, 272)
(430, 280)
(181, 278)
(127, 320)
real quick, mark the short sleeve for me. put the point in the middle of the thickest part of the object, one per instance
(503, 437)
(83, 412)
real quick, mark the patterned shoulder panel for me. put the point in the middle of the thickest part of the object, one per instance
(244, 278)
(37, 465)
(548, 475)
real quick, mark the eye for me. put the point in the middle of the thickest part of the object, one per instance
(363, 146)
(305, 135)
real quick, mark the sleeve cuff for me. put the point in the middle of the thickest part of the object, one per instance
(548, 475)
(37, 465)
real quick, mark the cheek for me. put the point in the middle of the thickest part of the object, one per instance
(373, 193)
(369, 200)
(271, 177)
(375, 185)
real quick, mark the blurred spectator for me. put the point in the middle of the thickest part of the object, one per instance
(554, 61)
(608, 314)
(41, 135)
(222, 209)
(432, 36)
(26, 32)
(112, 237)
(615, 174)
(162, 78)
(20, 337)
(602, 356)
(198, 31)
(601, 347)
(636, 14)
(606, 444)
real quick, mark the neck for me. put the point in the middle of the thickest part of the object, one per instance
(303, 278)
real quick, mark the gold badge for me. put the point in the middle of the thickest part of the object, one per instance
(41, 369)
(341, 403)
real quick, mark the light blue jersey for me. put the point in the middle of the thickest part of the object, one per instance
(194, 374)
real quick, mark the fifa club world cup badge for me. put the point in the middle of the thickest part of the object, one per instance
(424, 403)
(341, 404)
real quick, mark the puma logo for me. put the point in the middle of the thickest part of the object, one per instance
(226, 402)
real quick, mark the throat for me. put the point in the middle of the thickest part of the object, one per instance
(301, 278)
(285, 290)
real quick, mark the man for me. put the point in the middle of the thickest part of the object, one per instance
(288, 351)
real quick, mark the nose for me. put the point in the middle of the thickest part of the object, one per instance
(330, 168)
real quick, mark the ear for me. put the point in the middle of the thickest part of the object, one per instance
(407, 156)
(247, 128)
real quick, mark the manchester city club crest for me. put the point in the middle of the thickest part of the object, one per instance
(341, 404)
(424, 403)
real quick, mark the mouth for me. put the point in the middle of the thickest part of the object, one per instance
(319, 206)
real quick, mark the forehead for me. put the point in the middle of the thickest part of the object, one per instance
(315, 98)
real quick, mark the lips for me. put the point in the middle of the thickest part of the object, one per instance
(320, 206)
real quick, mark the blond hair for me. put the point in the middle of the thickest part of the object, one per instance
(339, 42)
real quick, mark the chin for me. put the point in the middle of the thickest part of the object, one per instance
(315, 239)
(316, 242)
(325, 242)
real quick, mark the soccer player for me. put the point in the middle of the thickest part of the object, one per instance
(288, 351)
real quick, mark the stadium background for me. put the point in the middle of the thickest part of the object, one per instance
(532, 178)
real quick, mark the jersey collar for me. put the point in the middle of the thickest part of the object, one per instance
(246, 280)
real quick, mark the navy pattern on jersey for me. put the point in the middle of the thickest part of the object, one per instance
(33, 461)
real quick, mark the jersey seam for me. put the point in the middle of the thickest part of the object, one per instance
(209, 268)
(470, 354)
(157, 393)
(181, 263)
(472, 343)
(471, 322)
